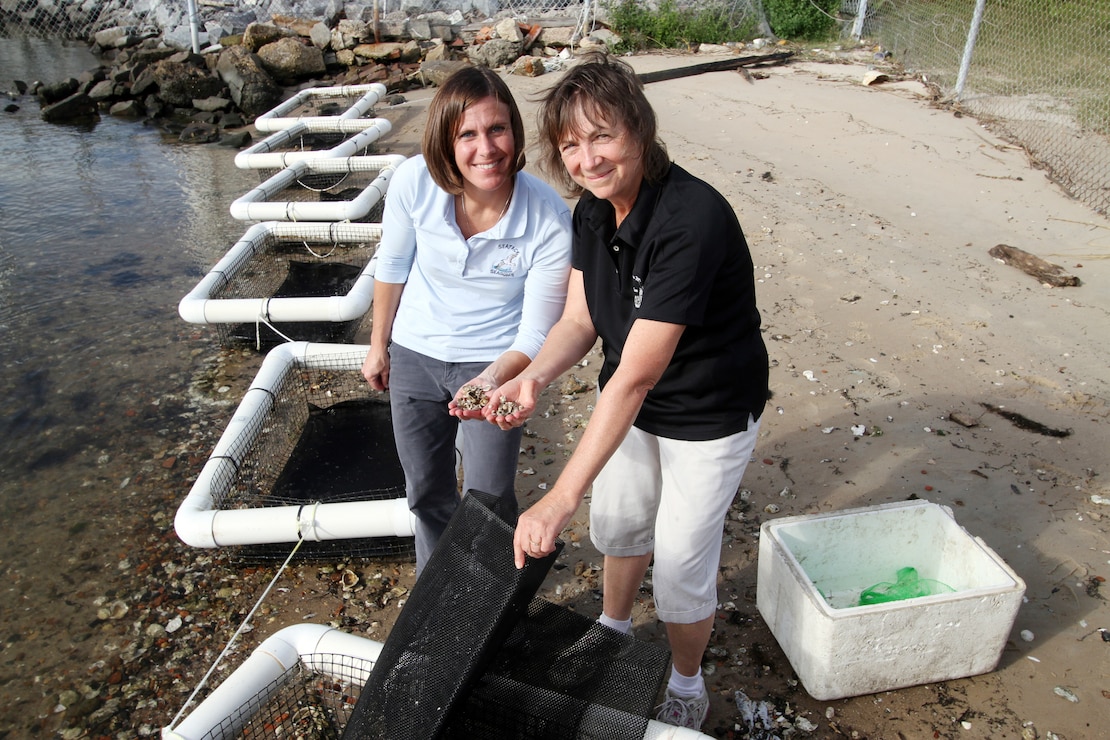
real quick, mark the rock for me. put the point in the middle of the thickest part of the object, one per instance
(388, 51)
(127, 109)
(109, 38)
(258, 35)
(212, 104)
(58, 91)
(528, 67)
(436, 73)
(291, 60)
(294, 24)
(495, 53)
(237, 140)
(251, 88)
(437, 52)
(144, 83)
(78, 105)
(103, 91)
(180, 83)
(509, 30)
(320, 35)
(198, 133)
(559, 36)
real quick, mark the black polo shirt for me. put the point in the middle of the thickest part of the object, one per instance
(679, 257)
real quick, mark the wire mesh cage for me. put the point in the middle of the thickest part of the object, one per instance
(309, 140)
(336, 189)
(350, 107)
(289, 281)
(311, 700)
(309, 454)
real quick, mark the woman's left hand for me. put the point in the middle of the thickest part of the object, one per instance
(539, 526)
(468, 401)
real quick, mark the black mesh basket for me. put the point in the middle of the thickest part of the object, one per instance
(473, 655)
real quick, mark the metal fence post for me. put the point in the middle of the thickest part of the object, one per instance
(969, 47)
(193, 30)
(857, 24)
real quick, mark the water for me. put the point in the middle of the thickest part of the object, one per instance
(103, 228)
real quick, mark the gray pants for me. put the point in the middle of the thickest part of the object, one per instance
(419, 390)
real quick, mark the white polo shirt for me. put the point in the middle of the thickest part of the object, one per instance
(472, 300)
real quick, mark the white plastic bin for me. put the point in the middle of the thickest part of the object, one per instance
(813, 568)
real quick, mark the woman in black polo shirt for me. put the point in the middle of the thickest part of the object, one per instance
(662, 273)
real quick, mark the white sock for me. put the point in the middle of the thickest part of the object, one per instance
(620, 625)
(687, 687)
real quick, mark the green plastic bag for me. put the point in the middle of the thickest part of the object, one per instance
(908, 586)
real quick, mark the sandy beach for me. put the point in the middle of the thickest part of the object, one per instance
(906, 363)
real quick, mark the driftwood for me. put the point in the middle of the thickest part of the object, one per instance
(722, 65)
(1046, 272)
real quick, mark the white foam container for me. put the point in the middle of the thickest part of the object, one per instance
(812, 569)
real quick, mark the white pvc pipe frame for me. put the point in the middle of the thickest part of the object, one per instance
(304, 642)
(354, 118)
(257, 206)
(199, 307)
(265, 154)
(199, 524)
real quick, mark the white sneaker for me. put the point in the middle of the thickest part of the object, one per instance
(681, 711)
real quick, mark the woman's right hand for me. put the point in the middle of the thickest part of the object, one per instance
(375, 368)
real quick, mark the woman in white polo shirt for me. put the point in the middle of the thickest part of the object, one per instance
(472, 273)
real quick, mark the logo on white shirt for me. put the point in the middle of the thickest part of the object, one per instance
(506, 266)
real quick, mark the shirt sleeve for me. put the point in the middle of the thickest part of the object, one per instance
(545, 287)
(397, 248)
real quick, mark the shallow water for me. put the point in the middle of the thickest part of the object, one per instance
(104, 227)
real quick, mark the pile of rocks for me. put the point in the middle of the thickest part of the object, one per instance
(212, 95)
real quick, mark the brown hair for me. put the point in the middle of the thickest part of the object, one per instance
(606, 88)
(445, 114)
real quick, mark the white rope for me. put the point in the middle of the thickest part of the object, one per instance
(258, 327)
(234, 637)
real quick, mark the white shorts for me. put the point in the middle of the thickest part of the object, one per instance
(670, 497)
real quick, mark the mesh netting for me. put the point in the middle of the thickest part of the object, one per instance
(327, 438)
(562, 676)
(351, 101)
(321, 181)
(548, 669)
(321, 260)
(309, 702)
(301, 141)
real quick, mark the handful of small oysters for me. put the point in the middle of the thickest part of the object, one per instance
(474, 397)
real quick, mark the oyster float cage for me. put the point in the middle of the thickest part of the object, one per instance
(337, 189)
(309, 454)
(309, 139)
(473, 654)
(310, 281)
(348, 108)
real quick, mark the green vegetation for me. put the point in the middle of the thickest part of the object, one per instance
(671, 27)
(802, 20)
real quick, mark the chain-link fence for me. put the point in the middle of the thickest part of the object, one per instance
(1037, 72)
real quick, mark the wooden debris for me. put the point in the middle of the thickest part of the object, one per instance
(722, 65)
(1046, 272)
